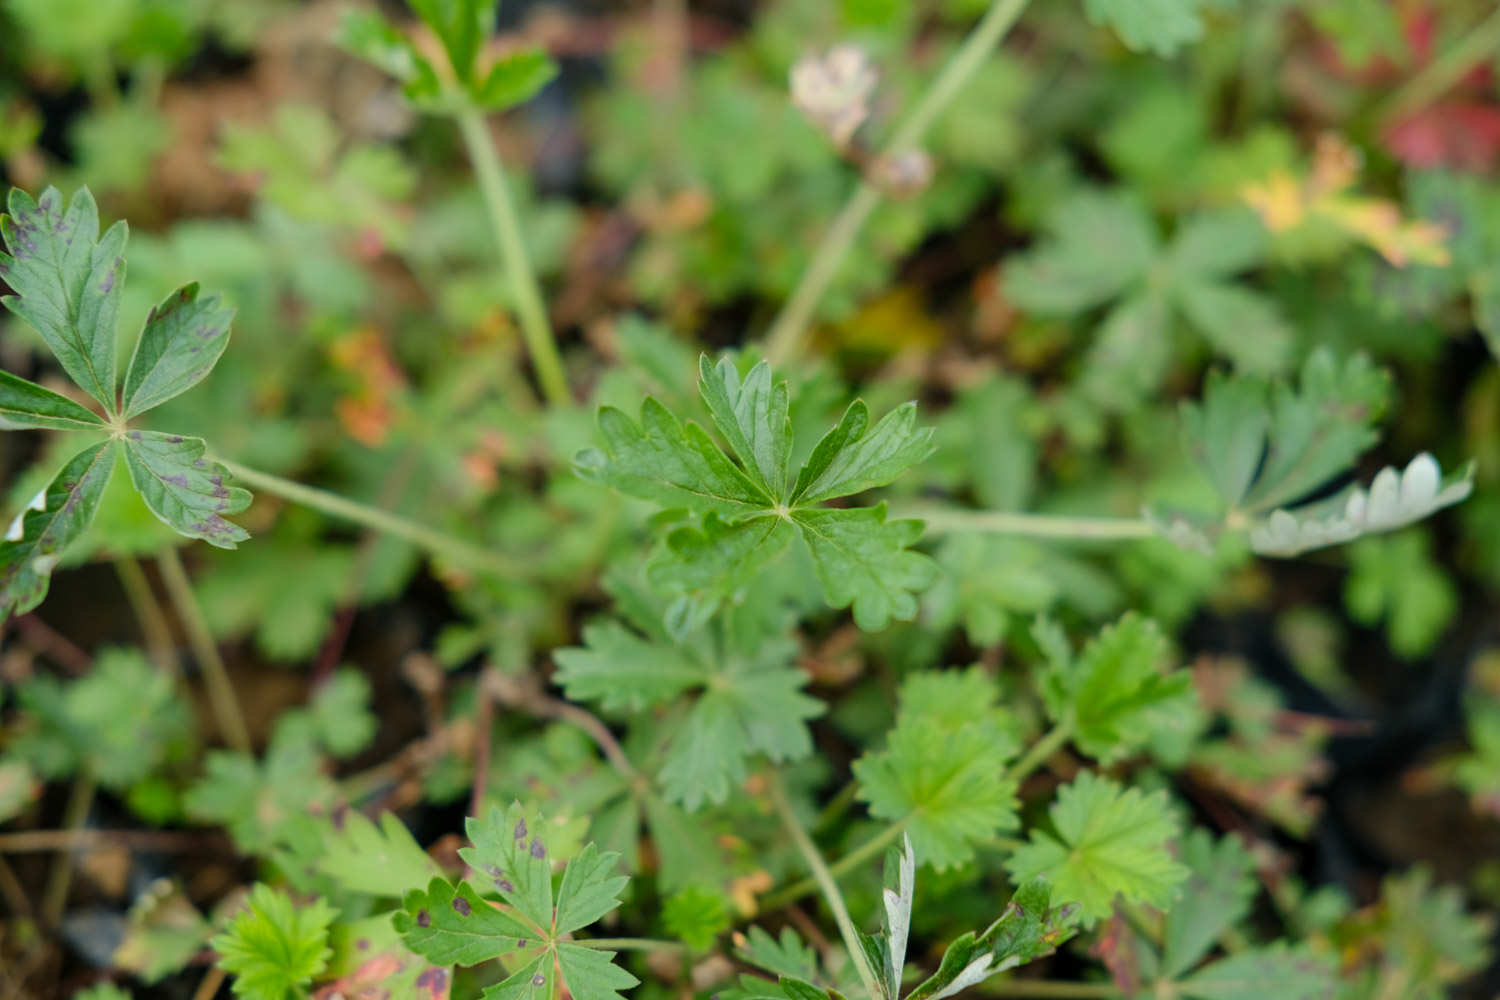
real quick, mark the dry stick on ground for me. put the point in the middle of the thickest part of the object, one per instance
(53, 644)
(525, 693)
(35, 841)
(160, 648)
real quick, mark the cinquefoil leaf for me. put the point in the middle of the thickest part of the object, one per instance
(187, 492)
(25, 405)
(51, 521)
(183, 339)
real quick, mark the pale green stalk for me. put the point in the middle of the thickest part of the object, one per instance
(535, 327)
(221, 696)
(784, 340)
(825, 881)
(461, 552)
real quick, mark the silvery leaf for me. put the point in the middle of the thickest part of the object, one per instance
(1394, 500)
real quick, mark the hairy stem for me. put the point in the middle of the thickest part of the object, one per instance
(826, 883)
(149, 613)
(1438, 76)
(784, 340)
(221, 694)
(867, 851)
(535, 327)
(1001, 522)
(470, 556)
(75, 814)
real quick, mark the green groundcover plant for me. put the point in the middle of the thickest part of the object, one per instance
(766, 626)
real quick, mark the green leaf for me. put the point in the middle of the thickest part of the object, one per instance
(862, 560)
(381, 860)
(848, 460)
(448, 924)
(1110, 692)
(462, 26)
(1240, 324)
(273, 948)
(510, 854)
(67, 280)
(1098, 244)
(1281, 971)
(369, 36)
(695, 916)
(1226, 435)
(186, 491)
(620, 670)
(866, 562)
(784, 956)
(515, 79)
(1107, 842)
(942, 770)
(53, 519)
(530, 982)
(257, 800)
(340, 712)
(1217, 894)
(592, 974)
(1396, 579)
(668, 462)
(591, 887)
(753, 417)
(183, 340)
(1218, 243)
(1160, 26)
(1428, 938)
(718, 560)
(26, 405)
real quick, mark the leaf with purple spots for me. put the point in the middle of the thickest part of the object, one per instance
(183, 340)
(67, 280)
(530, 982)
(187, 492)
(510, 855)
(452, 925)
(55, 517)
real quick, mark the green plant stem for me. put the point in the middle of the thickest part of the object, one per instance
(220, 691)
(826, 883)
(867, 851)
(940, 521)
(148, 612)
(784, 340)
(460, 551)
(630, 944)
(1442, 73)
(75, 814)
(535, 327)
(1041, 751)
(1045, 988)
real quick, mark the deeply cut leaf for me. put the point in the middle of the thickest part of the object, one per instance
(186, 491)
(68, 281)
(1109, 842)
(275, 948)
(448, 924)
(865, 561)
(51, 521)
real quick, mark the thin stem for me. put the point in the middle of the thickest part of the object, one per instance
(332, 504)
(826, 883)
(867, 851)
(208, 986)
(149, 613)
(1034, 525)
(532, 314)
(1046, 988)
(75, 814)
(1041, 751)
(784, 340)
(630, 944)
(37, 841)
(221, 694)
(1442, 73)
